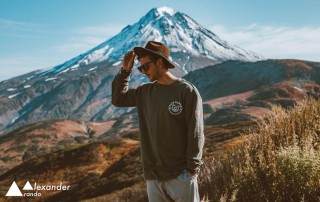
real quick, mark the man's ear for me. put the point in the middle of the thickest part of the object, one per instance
(160, 62)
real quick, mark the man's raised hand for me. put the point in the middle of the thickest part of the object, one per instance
(128, 60)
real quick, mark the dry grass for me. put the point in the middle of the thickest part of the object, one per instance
(136, 192)
(278, 161)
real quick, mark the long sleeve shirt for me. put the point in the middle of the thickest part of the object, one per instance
(170, 124)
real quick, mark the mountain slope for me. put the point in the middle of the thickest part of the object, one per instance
(241, 91)
(235, 77)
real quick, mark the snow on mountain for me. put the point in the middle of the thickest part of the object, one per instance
(182, 34)
(11, 89)
(14, 95)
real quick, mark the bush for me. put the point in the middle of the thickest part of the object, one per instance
(278, 161)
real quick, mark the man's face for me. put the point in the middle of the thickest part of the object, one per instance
(150, 68)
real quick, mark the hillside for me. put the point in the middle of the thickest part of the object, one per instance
(242, 91)
(109, 169)
(86, 168)
(45, 137)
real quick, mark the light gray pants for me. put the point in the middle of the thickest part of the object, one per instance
(183, 188)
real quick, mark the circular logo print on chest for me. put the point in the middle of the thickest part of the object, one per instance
(175, 108)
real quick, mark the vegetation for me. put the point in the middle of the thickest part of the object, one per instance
(276, 159)
(279, 160)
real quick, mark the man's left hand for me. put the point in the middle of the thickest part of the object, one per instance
(193, 173)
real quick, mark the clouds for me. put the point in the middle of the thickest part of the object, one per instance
(27, 46)
(17, 25)
(85, 38)
(17, 65)
(275, 41)
(11, 29)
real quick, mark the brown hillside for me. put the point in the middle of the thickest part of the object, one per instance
(45, 137)
(80, 166)
(110, 169)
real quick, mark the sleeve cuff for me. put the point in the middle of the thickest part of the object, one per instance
(125, 71)
(123, 74)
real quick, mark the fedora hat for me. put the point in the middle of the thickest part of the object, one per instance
(155, 48)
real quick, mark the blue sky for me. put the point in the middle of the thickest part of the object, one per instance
(40, 34)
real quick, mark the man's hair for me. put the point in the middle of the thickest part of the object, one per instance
(154, 57)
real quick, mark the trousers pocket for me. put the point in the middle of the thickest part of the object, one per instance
(186, 176)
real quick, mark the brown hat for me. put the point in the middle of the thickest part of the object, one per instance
(155, 48)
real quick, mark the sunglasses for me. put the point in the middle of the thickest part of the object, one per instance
(144, 66)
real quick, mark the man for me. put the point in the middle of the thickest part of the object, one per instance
(170, 123)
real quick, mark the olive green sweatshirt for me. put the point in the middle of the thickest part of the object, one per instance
(170, 124)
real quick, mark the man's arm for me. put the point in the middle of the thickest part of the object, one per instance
(122, 96)
(194, 120)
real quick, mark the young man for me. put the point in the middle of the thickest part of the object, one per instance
(170, 123)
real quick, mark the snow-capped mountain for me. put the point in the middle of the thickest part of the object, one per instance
(185, 38)
(81, 87)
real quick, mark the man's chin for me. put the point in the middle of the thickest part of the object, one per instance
(151, 79)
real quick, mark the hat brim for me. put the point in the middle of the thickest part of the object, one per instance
(140, 51)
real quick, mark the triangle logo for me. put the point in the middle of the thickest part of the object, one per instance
(14, 190)
(27, 186)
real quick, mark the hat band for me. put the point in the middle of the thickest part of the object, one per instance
(160, 53)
